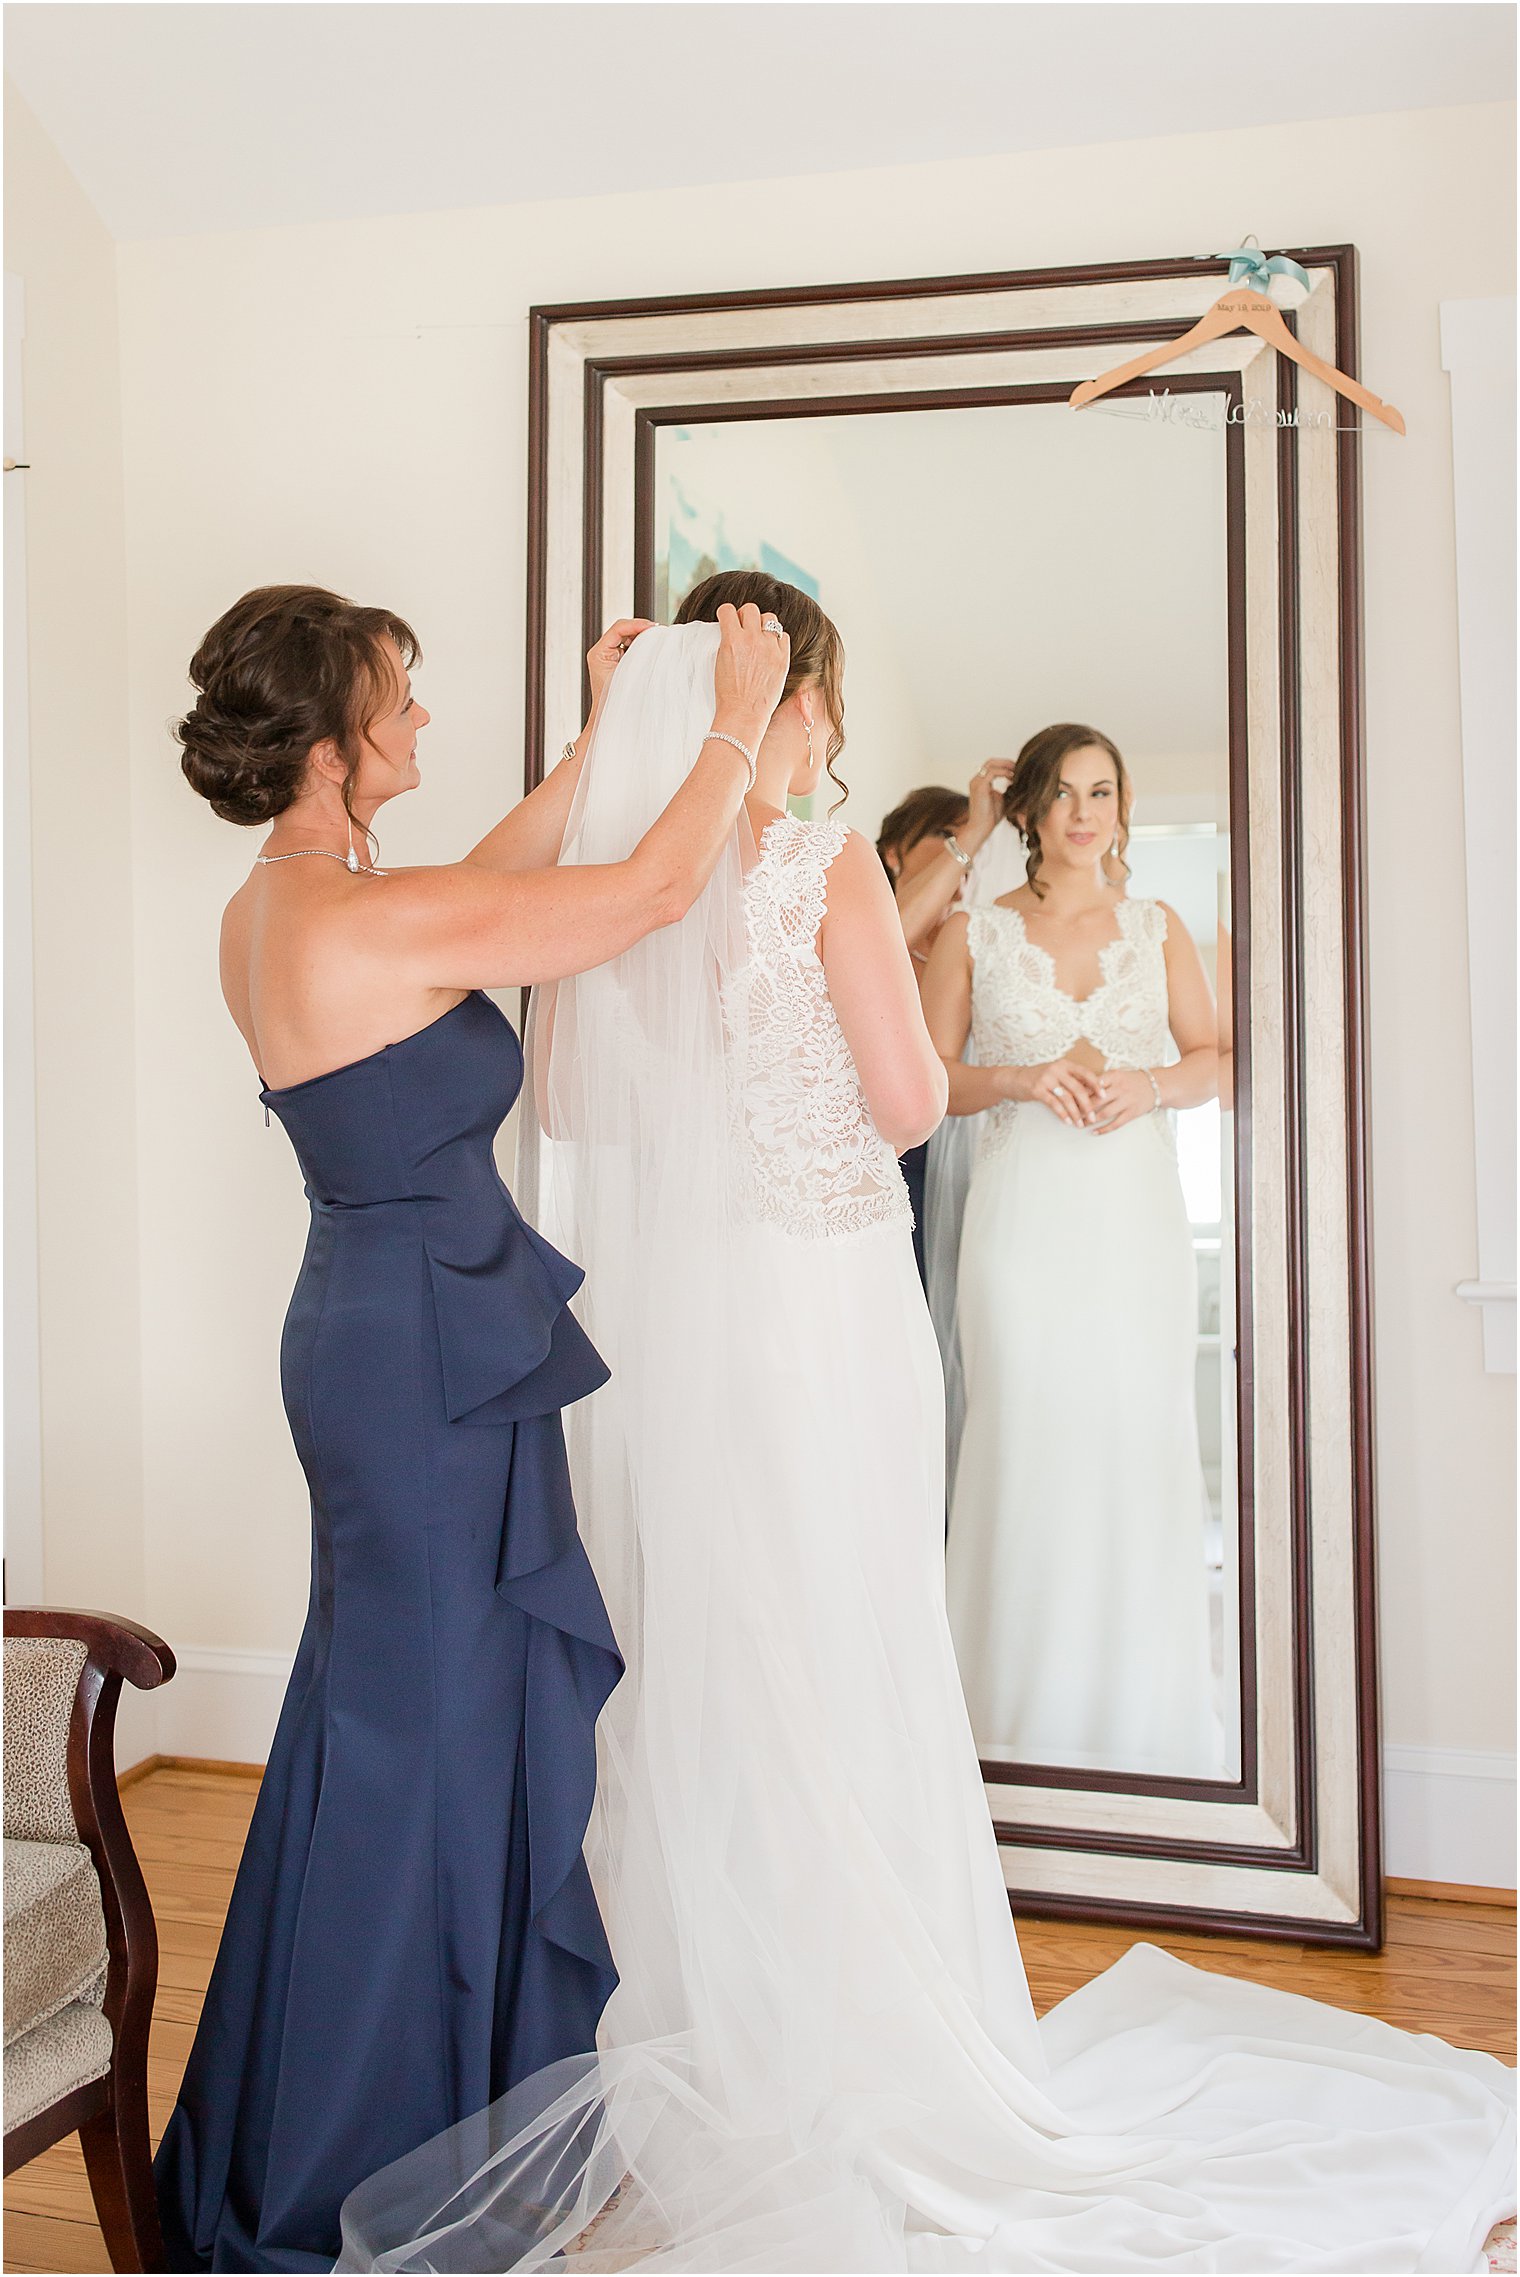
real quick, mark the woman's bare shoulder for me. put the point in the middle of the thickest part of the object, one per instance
(858, 884)
(236, 936)
(857, 858)
(860, 918)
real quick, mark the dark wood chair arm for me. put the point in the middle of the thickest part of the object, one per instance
(112, 2116)
(116, 1647)
(113, 1649)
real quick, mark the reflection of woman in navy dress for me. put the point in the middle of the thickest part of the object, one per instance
(413, 1929)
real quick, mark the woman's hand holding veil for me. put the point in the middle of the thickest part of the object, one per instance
(749, 676)
(603, 660)
(750, 673)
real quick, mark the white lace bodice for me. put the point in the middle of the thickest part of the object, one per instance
(811, 1159)
(1021, 1018)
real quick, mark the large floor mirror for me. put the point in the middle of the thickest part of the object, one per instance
(1159, 1544)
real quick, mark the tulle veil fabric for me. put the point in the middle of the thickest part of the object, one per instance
(822, 2054)
(997, 868)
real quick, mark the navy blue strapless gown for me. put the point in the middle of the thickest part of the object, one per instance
(413, 1928)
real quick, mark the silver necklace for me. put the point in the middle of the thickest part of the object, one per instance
(350, 860)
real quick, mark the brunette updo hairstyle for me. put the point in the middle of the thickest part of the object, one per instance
(1036, 780)
(287, 667)
(817, 659)
(926, 813)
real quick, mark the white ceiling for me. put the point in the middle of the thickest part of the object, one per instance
(185, 117)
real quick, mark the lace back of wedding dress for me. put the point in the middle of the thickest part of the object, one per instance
(810, 1158)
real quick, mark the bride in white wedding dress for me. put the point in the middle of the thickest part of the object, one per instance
(1075, 1575)
(822, 2053)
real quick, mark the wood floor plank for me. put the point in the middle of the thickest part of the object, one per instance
(142, 1806)
(1447, 1968)
(42, 2188)
(1449, 1933)
(69, 2153)
(161, 1846)
(178, 1974)
(169, 2041)
(180, 2005)
(187, 1893)
(154, 1829)
(41, 2241)
(163, 1789)
(188, 1940)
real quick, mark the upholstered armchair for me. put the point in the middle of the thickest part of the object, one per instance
(81, 1951)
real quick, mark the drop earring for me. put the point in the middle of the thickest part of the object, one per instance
(808, 725)
(353, 859)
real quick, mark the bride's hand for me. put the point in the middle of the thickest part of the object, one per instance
(603, 660)
(1128, 1094)
(751, 668)
(1068, 1089)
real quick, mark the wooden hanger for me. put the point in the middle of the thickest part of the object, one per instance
(1243, 308)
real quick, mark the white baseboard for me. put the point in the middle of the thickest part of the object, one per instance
(1449, 1813)
(221, 1705)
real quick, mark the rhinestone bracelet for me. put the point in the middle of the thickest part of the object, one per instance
(716, 735)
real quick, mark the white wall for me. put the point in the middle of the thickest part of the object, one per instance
(347, 403)
(993, 570)
(82, 885)
(780, 480)
(1044, 567)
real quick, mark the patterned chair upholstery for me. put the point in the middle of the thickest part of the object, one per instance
(81, 1953)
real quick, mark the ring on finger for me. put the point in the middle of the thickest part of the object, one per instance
(773, 625)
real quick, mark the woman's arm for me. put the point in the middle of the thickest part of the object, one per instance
(1191, 1015)
(870, 977)
(1194, 1078)
(1068, 1089)
(530, 837)
(922, 900)
(947, 1014)
(467, 926)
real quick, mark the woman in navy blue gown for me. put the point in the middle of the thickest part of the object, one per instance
(413, 1929)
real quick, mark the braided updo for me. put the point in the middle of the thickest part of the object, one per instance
(287, 667)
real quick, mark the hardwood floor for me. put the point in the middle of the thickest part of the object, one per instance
(1447, 1968)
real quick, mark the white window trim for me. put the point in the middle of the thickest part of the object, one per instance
(22, 1376)
(1478, 351)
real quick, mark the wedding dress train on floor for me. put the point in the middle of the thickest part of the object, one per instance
(822, 2054)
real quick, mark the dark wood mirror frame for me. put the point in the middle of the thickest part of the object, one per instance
(1291, 1848)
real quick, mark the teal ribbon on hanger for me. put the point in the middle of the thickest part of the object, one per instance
(1250, 266)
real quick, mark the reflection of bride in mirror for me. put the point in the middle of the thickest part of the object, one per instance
(1077, 1583)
